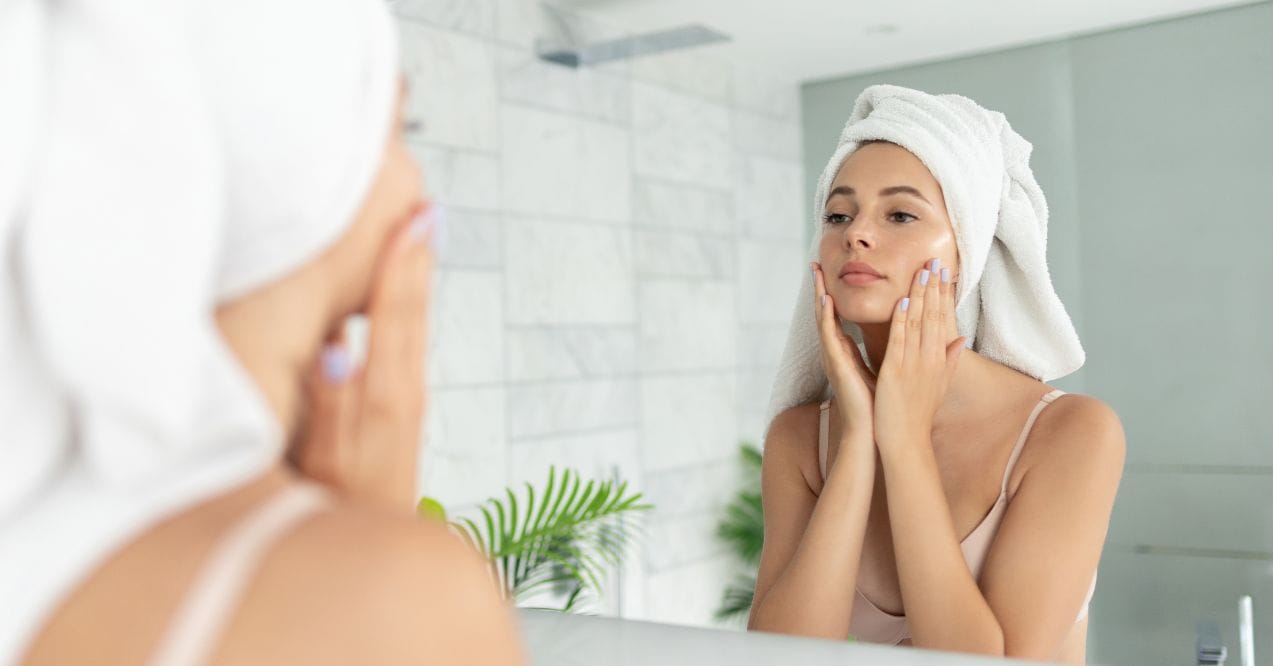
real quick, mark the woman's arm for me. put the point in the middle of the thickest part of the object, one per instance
(1042, 561)
(944, 607)
(1044, 555)
(813, 543)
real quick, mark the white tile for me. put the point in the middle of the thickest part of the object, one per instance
(680, 540)
(752, 427)
(527, 79)
(599, 455)
(687, 325)
(475, 17)
(525, 22)
(701, 72)
(664, 205)
(755, 386)
(758, 134)
(687, 420)
(464, 459)
(696, 488)
(662, 253)
(459, 178)
(760, 345)
(452, 87)
(680, 138)
(569, 407)
(564, 273)
(768, 198)
(519, 21)
(467, 328)
(562, 165)
(761, 91)
(472, 239)
(769, 274)
(690, 594)
(579, 352)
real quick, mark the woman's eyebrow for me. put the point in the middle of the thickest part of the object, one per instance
(888, 191)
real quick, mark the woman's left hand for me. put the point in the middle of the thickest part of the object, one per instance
(920, 359)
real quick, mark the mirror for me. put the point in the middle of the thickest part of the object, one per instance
(630, 190)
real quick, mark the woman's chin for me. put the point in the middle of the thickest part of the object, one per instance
(865, 314)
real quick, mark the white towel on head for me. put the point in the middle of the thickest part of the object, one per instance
(172, 155)
(1006, 305)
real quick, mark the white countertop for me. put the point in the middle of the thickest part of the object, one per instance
(557, 639)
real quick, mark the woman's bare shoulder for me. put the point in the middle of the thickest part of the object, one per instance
(1077, 434)
(792, 440)
(376, 587)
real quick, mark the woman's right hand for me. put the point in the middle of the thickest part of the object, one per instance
(851, 379)
(362, 435)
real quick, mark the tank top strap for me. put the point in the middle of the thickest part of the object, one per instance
(210, 603)
(1025, 433)
(824, 428)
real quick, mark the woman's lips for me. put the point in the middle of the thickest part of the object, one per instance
(859, 279)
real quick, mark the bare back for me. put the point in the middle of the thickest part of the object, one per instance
(376, 588)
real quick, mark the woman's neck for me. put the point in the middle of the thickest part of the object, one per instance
(967, 394)
(275, 333)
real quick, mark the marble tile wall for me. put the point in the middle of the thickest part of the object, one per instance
(623, 250)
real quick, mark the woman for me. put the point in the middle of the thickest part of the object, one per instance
(942, 497)
(212, 189)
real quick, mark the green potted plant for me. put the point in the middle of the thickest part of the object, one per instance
(564, 538)
(742, 529)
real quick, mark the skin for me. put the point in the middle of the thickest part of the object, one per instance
(917, 452)
(392, 588)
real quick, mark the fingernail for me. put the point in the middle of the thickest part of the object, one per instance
(923, 278)
(824, 300)
(936, 265)
(945, 275)
(337, 366)
(425, 221)
(906, 304)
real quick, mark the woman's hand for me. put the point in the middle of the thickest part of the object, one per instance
(851, 379)
(920, 359)
(363, 433)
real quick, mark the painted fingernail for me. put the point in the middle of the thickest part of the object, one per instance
(923, 278)
(337, 365)
(936, 265)
(423, 223)
(906, 304)
(824, 300)
(945, 275)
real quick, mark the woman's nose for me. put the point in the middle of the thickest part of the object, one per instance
(858, 233)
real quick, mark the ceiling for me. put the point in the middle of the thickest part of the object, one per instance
(807, 40)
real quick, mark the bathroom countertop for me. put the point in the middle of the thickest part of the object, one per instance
(556, 639)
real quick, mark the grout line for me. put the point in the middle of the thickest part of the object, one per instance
(607, 429)
(1191, 551)
(1170, 468)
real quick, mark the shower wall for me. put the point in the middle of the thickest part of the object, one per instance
(623, 253)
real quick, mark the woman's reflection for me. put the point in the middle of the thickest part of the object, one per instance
(944, 495)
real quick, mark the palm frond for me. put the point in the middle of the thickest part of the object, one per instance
(567, 541)
(736, 601)
(742, 528)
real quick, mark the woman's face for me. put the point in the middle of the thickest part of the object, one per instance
(886, 215)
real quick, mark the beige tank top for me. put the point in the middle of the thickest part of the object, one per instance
(872, 624)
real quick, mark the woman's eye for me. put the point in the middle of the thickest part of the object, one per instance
(902, 217)
(836, 218)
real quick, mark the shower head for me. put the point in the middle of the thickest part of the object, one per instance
(577, 53)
